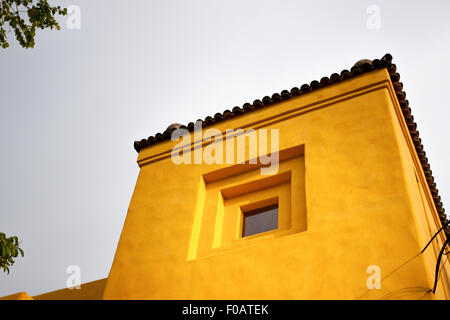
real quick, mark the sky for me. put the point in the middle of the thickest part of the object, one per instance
(71, 108)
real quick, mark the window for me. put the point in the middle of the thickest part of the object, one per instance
(238, 207)
(260, 220)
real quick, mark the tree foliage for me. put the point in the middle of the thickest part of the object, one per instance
(23, 17)
(9, 250)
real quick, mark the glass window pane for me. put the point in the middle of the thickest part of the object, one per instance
(260, 220)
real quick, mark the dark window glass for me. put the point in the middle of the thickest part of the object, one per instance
(260, 220)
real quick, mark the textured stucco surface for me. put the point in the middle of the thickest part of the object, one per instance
(360, 211)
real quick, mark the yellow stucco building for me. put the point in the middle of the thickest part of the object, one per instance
(352, 200)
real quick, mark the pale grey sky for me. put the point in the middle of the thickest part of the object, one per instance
(71, 108)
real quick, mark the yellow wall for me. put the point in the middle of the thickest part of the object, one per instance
(17, 296)
(355, 200)
(88, 291)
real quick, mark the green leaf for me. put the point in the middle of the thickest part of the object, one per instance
(9, 250)
(24, 16)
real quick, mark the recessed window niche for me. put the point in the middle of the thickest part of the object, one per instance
(239, 207)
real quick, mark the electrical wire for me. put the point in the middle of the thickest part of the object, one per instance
(437, 232)
(438, 263)
(443, 265)
(441, 252)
